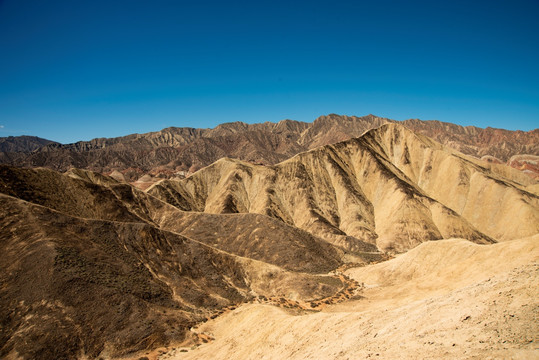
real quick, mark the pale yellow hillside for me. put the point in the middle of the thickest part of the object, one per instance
(390, 187)
(448, 299)
(482, 193)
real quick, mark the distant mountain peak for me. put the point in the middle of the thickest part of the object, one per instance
(24, 143)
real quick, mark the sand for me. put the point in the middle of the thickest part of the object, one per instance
(446, 299)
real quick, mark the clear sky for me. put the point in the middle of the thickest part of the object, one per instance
(74, 70)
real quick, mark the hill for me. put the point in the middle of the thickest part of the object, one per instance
(24, 144)
(87, 264)
(390, 187)
(448, 299)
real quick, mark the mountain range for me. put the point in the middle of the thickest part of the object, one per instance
(347, 237)
(178, 151)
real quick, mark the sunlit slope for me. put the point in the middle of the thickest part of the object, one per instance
(442, 266)
(390, 187)
(446, 299)
(482, 194)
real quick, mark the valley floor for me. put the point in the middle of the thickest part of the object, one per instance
(445, 299)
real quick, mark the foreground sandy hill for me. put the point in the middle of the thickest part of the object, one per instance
(444, 299)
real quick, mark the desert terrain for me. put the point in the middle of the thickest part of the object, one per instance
(445, 299)
(361, 238)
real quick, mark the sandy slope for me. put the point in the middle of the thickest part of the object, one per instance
(445, 299)
(365, 190)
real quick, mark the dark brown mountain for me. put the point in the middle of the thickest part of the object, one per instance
(89, 268)
(179, 151)
(23, 143)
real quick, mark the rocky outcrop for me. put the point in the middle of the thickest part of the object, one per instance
(528, 164)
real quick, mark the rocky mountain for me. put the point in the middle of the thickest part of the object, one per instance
(178, 151)
(93, 267)
(498, 143)
(391, 187)
(24, 144)
(471, 140)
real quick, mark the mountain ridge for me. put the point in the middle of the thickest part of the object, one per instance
(177, 151)
(106, 264)
(23, 143)
(335, 183)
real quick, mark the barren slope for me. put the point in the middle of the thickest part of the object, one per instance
(90, 195)
(94, 267)
(86, 263)
(448, 299)
(480, 193)
(167, 151)
(174, 151)
(391, 187)
(79, 286)
(258, 237)
(22, 144)
(479, 142)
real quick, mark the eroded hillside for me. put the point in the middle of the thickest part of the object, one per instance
(87, 263)
(390, 187)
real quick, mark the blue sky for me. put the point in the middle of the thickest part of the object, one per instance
(76, 70)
